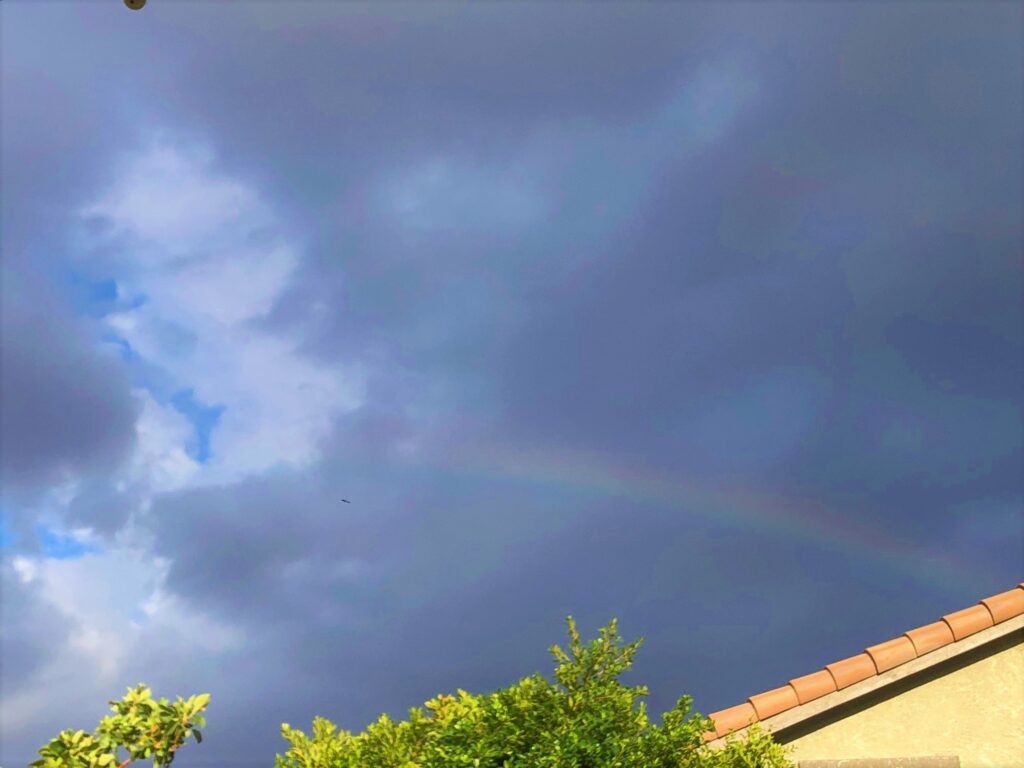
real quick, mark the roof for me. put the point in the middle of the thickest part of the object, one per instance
(950, 631)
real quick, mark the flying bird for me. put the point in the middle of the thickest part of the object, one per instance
(346, 501)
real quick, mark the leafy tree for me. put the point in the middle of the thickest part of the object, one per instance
(143, 727)
(586, 719)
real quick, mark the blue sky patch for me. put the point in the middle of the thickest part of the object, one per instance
(60, 546)
(8, 538)
(123, 347)
(203, 417)
(98, 298)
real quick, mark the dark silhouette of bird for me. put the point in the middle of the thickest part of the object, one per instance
(346, 501)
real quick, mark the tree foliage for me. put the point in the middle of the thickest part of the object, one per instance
(585, 719)
(141, 726)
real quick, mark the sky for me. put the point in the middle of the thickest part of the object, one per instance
(707, 317)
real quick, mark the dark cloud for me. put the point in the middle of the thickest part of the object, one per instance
(812, 293)
(40, 632)
(454, 591)
(67, 408)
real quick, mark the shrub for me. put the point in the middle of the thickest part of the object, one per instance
(586, 719)
(143, 727)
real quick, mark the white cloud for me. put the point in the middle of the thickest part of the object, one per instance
(25, 568)
(160, 462)
(101, 597)
(210, 258)
(167, 614)
(94, 592)
(165, 199)
(231, 287)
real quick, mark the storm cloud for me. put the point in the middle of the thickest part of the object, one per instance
(707, 317)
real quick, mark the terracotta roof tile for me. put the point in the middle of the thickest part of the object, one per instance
(851, 670)
(892, 653)
(814, 686)
(775, 701)
(732, 718)
(875, 660)
(930, 636)
(1005, 605)
(968, 621)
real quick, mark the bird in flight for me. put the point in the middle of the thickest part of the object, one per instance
(346, 501)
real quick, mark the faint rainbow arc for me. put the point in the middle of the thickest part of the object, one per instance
(791, 516)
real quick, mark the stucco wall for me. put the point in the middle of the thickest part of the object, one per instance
(976, 712)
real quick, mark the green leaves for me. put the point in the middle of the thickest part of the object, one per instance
(141, 726)
(73, 749)
(585, 719)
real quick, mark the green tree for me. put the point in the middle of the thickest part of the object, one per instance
(585, 719)
(143, 727)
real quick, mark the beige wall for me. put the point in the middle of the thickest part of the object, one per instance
(976, 713)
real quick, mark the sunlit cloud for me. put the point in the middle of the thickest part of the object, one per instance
(209, 262)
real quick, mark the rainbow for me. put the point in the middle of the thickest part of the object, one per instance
(791, 516)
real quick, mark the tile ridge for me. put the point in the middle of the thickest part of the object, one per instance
(872, 661)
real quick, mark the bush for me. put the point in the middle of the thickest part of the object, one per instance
(586, 719)
(143, 727)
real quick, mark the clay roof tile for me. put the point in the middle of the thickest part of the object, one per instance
(774, 701)
(930, 636)
(968, 621)
(1005, 605)
(732, 718)
(851, 670)
(875, 660)
(813, 686)
(892, 653)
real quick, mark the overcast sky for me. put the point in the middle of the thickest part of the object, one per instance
(705, 317)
